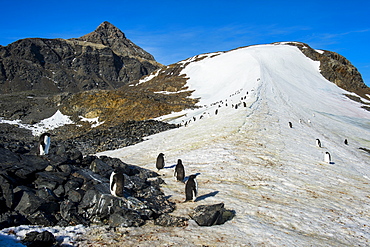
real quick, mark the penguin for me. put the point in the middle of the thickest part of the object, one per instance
(318, 143)
(345, 141)
(327, 158)
(44, 144)
(160, 161)
(216, 112)
(179, 171)
(290, 125)
(116, 182)
(191, 188)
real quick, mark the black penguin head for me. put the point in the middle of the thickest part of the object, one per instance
(161, 154)
(118, 170)
(179, 161)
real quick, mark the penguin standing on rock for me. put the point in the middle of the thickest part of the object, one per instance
(116, 182)
(191, 188)
(44, 144)
(179, 171)
(160, 161)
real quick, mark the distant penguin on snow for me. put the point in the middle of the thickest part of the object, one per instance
(191, 188)
(116, 182)
(318, 143)
(290, 125)
(160, 161)
(179, 171)
(44, 144)
(327, 158)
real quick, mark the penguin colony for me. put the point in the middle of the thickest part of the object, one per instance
(219, 104)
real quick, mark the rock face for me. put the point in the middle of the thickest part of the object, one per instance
(103, 59)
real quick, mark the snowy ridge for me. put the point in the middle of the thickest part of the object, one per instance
(273, 176)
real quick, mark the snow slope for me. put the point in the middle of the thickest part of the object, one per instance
(273, 176)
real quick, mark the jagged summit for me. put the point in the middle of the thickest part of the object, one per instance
(109, 35)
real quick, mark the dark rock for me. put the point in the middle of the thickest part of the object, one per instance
(170, 220)
(47, 195)
(13, 218)
(115, 162)
(209, 215)
(125, 218)
(101, 168)
(73, 184)
(59, 191)
(50, 180)
(69, 213)
(41, 218)
(159, 204)
(75, 195)
(37, 239)
(7, 194)
(29, 203)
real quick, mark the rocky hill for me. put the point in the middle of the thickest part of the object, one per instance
(103, 59)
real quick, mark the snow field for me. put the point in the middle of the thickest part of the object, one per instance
(273, 176)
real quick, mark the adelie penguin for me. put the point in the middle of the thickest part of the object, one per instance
(116, 182)
(179, 171)
(160, 161)
(327, 158)
(191, 188)
(44, 144)
(318, 143)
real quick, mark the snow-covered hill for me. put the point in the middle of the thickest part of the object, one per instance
(273, 176)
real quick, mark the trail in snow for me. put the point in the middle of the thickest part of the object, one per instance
(273, 176)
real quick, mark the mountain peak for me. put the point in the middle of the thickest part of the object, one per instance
(104, 34)
(109, 35)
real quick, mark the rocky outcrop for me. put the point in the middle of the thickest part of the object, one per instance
(64, 189)
(103, 59)
(337, 69)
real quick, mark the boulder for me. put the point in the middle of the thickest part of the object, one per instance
(125, 218)
(29, 203)
(170, 220)
(50, 180)
(37, 239)
(100, 167)
(209, 215)
(41, 218)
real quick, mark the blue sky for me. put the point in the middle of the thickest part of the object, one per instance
(175, 30)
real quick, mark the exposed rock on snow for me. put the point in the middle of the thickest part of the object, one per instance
(209, 215)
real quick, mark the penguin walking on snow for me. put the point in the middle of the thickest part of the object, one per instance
(44, 144)
(160, 161)
(327, 158)
(318, 143)
(179, 171)
(116, 182)
(191, 188)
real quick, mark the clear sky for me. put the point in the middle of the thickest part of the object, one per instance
(175, 30)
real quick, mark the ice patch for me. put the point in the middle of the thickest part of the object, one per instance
(53, 122)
